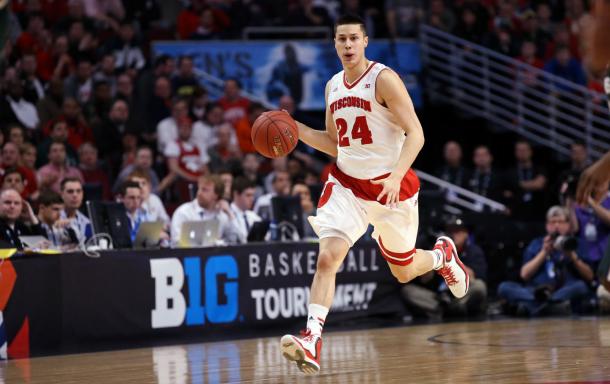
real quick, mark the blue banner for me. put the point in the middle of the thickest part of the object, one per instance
(269, 70)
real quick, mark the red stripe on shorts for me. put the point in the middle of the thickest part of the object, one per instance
(366, 190)
(328, 190)
(396, 258)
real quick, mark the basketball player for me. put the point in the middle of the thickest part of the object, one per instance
(372, 129)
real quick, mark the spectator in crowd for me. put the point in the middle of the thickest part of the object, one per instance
(142, 162)
(188, 19)
(49, 107)
(533, 33)
(59, 232)
(206, 205)
(57, 169)
(243, 127)
(16, 219)
(185, 82)
(128, 54)
(553, 271)
(280, 187)
(278, 164)
(15, 109)
(59, 132)
(105, 11)
(199, 104)
(307, 207)
(151, 203)
(167, 130)
(99, 104)
(93, 175)
(186, 159)
(163, 66)
(131, 197)
(72, 196)
(485, 181)
(16, 134)
(452, 171)
(213, 120)
(111, 131)
(124, 91)
(234, 105)
(55, 62)
(158, 108)
(441, 17)
(502, 40)
(76, 12)
(592, 224)
(107, 72)
(78, 129)
(565, 66)
(469, 26)
(11, 159)
(579, 157)
(225, 153)
(429, 294)
(33, 87)
(80, 85)
(12, 179)
(250, 166)
(243, 191)
(227, 178)
(305, 13)
(526, 184)
(27, 153)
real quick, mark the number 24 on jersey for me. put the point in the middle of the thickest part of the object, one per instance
(360, 130)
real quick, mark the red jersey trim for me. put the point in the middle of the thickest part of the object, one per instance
(366, 190)
(352, 85)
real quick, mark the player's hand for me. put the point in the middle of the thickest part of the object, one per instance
(391, 190)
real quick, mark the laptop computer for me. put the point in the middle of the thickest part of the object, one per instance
(34, 241)
(149, 234)
(199, 233)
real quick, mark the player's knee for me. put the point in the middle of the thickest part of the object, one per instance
(328, 260)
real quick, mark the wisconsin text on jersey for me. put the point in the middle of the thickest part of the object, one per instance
(350, 101)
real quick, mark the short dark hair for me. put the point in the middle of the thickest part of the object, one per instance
(350, 19)
(240, 184)
(10, 171)
(49, 197)
(128, 184)
(67, 180)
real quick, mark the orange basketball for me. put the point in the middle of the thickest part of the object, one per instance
(275, 134)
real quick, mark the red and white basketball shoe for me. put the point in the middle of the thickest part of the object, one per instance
(452, 270)
(304, 351)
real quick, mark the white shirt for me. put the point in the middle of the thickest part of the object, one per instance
(193, 164)
(192, 211)
(167, 132)
(240, 221)
(25, 111)
(81, 225)
(155, 209)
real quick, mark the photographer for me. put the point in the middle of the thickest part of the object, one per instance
(592, 224)
(552, 270)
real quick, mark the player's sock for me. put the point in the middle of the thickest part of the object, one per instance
(316, 318)
(437, 258)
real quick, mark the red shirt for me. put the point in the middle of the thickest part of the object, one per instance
(234, 109)
(29, 178)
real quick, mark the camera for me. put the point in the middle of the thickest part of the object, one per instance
(564, 243)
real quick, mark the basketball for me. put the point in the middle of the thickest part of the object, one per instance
(275, 134)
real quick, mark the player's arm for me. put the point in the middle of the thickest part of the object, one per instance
(325, 141)
(392, 93)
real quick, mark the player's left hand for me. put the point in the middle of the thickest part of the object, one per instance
(391, 189)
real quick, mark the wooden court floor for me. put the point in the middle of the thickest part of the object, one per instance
(511, 351)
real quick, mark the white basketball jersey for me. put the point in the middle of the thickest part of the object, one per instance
(369, 137)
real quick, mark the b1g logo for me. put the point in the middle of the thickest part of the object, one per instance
(219, 272)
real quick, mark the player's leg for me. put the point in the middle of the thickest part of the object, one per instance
(339, 222)
(305, 350)
(396, 232)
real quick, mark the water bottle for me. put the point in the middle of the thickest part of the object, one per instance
(273, 231)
